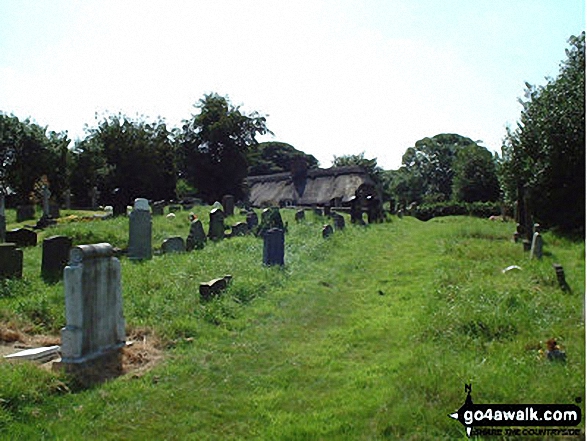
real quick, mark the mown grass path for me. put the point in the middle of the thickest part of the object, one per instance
(368, 335)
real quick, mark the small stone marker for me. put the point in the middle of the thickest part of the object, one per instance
(55, 257)
(140, 231)
(197, 237)
(300, 215)
(22, 237)
(216, 230)
(95, 325)
(228, 205)
(239, 229)
(10, 261)
(173, 245)
(273, 247)
(214, 287)
(327, 231)
(536, 248)
(560, 275)
(25, 212)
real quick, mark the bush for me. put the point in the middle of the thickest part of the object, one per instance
(478, 209)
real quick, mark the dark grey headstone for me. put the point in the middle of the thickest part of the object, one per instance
(25, 212)
(270, 218)
(216, 228)
(22, 237)
(252, 220)
(140, 231)
(300, 215)
(54, 211)
(239, 229)
(173, 245)
(327, 231)
(273, 247)
(10, 261)
(228, 204)
(158, 208)
(338, 220)
(55, 256)
(197, 237)
(214, 287)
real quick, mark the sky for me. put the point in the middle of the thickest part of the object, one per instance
(333, 77)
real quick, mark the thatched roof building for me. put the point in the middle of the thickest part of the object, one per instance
(334, 186)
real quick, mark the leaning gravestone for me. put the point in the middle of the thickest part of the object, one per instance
(94, 333)
(173, 245)
(214, 287)
(228, 204)
(22, 237)
(25, 212)
(327, 231)
(216, 230)
(55, 256)
(10, 261)
(273, 247)
(196, 237)
(140, 231)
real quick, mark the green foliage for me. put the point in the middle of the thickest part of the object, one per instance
(426, 212)
(133, 155)
(544, 157)
(28, 152)
(214, 146)
(276, 157)
(475, 175)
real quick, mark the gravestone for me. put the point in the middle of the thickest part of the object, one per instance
(327, 210)
(217, 205)
(140, 231)
(119, 202)
(239, 229)
(228, 204)
(94, 195)
(55, 256)
(273, 247)
(10, 261)
(214, 287)
(46, 195)
(2, 218)
(158, 208)
(560, 276)
(252, 220)
(327, 231)
(94, 334)
(25, 212)
(22, 237)
(173, 245)
(270, 218)
(197, 237)
(338, 220)
(54, 211)
(536, 247)
(67, 199)
(216, 228)
(300, 215)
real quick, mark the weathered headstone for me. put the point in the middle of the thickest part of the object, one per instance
(46, 195)
(214, 287)
(252, 220)
(25, 212)
(94, 195)
(94, 333)
(327, 231)
(273, 247)
(536, 248)
(239, 229)
(216, 227)
(197, 237)
(140, 231)
(300, 215)
(560, 276)
(270, 218)
(22, 237)
(173, 245)
(158, 208)
(228, 205)
(119, 202)
(67, 199)
(338, 220)
(55, 257)
(217, 205)
(10, 261)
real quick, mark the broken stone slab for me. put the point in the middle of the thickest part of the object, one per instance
(214, 287)
(38, 355)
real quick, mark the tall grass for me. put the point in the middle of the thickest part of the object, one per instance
(370, 334)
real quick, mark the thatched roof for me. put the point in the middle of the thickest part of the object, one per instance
(319, 187)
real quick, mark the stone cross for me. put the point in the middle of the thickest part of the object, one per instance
(95, 327)
(273, 247)
(140, 231)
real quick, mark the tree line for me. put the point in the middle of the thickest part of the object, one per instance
(542, 165)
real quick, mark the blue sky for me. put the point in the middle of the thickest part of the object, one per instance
(334, 77)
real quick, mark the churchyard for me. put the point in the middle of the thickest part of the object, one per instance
(347, 332)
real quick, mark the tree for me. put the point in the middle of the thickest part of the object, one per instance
(475, 175)
(28, 152)
(132, 155)
(215, 145)
(543, 160)
(276, 157)
(370, 165)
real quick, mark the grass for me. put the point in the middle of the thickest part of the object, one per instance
(370, 334)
